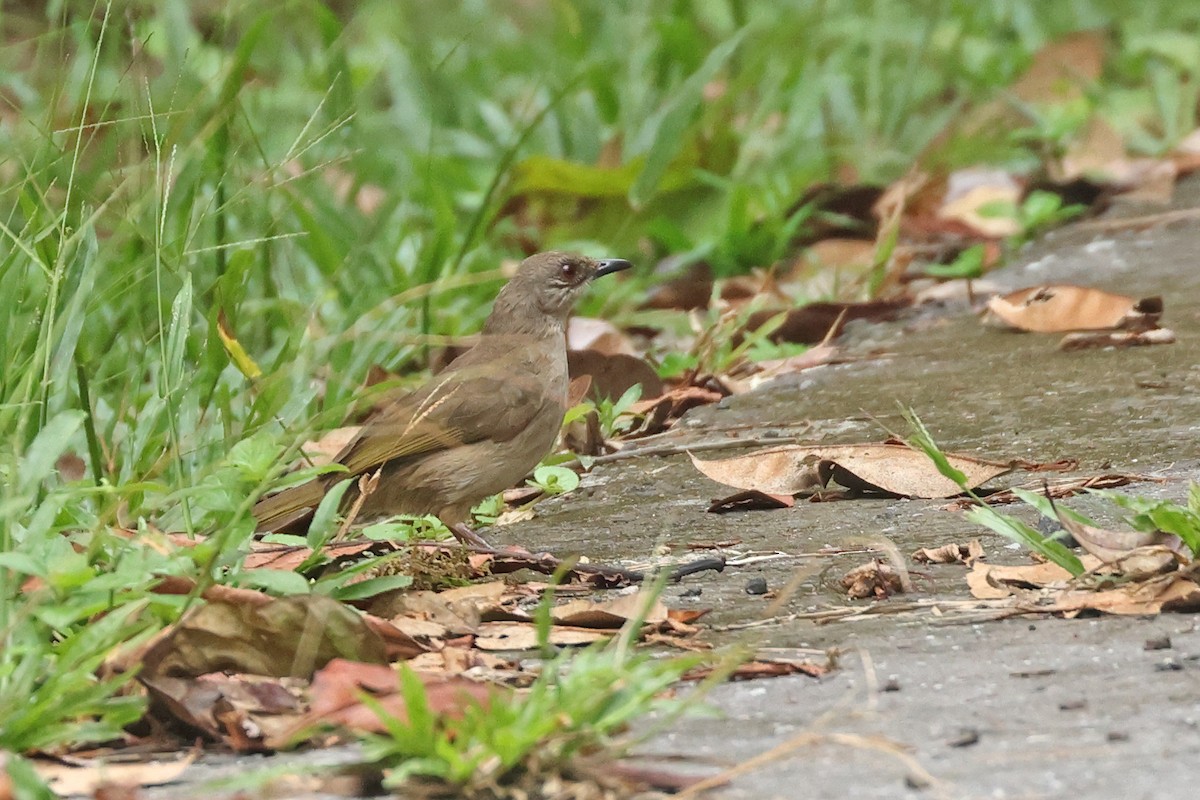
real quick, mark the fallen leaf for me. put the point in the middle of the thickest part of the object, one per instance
(1135, 554)
(613, 375)
(763, 668)
(814, 323)
(970, 193)
(1063, 68)
(1056, 490)
(691, 290)
(1174, 591)
(1087, 341)
(892, 468)
(953, 553)
(243, 711)
(877, 579)
(87, 778)
(524, 636)
(750, 500)
(673, 404)
(326, 448)
(995, 581)
(1063, 308)
(599, 335)
(288, 636)
(761, 372)
(608, 614)
(336, 691)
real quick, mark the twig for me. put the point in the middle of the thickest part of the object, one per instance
(1145, 221)
(676, 449)
(367, 484)
(807, 738)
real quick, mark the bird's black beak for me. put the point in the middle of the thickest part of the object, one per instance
(609, 265)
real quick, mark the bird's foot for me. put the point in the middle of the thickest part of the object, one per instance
(464, 534)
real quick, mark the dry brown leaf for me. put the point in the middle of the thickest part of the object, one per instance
(1062, 308)
(828, 267)
(1063, 68)
(600, 335)
(85, 779)
(814, 323)
(524, 636)
(691, 290)
(1135, 554)
(994, 581)
(287, 636)
(750, 500)
(613, 375)
(969, 192)
(324, 449)
(577, 390)
(877, 579)
(1174, 591)
(763, 668)
(336, 690)
(241, 710)
(608, 614)
(1096, 339)
(953, 553)
(673, 404)
(770, 369)
(891, 468)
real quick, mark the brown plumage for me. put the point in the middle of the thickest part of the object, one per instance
(477, 427)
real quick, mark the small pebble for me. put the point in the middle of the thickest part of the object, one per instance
(1158, 643)
(965, 738)
(1117, 736)
(1072, 705)
(756, 585)
(914, 781)
(691, 591)
(892, 684)
(1168, 665)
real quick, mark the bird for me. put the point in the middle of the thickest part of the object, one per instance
(475, 428)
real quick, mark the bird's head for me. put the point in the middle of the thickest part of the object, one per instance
(549, 284)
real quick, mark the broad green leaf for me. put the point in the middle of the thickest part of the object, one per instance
(50, 443)
(671, 126)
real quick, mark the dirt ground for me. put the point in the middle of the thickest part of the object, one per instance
(922, 704)
(926, 705)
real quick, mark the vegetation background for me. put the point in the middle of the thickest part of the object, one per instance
(217, 217)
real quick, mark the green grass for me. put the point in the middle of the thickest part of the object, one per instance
(339, 183)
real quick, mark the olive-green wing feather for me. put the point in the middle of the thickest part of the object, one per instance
(471, 401)
(464, 407)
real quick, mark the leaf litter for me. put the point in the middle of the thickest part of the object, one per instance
(890, 468)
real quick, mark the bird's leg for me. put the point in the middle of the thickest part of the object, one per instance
(464, 534)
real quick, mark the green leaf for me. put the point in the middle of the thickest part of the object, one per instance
(670, 128)
(556, 480)
(324, 520)
(541, 173)
(275, 581)
(371, 587)
(969, 264)
(50, 443)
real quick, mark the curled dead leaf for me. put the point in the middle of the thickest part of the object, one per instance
(613, 374)
(891, 468)
(287, 636)
(1097, 339)
(1062, 308)
(953, 553)
(876, 578)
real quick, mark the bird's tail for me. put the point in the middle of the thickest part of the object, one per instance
(290, 509)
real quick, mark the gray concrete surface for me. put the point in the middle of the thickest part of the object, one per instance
(1025, 708)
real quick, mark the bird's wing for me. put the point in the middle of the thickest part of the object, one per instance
(466, 405)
